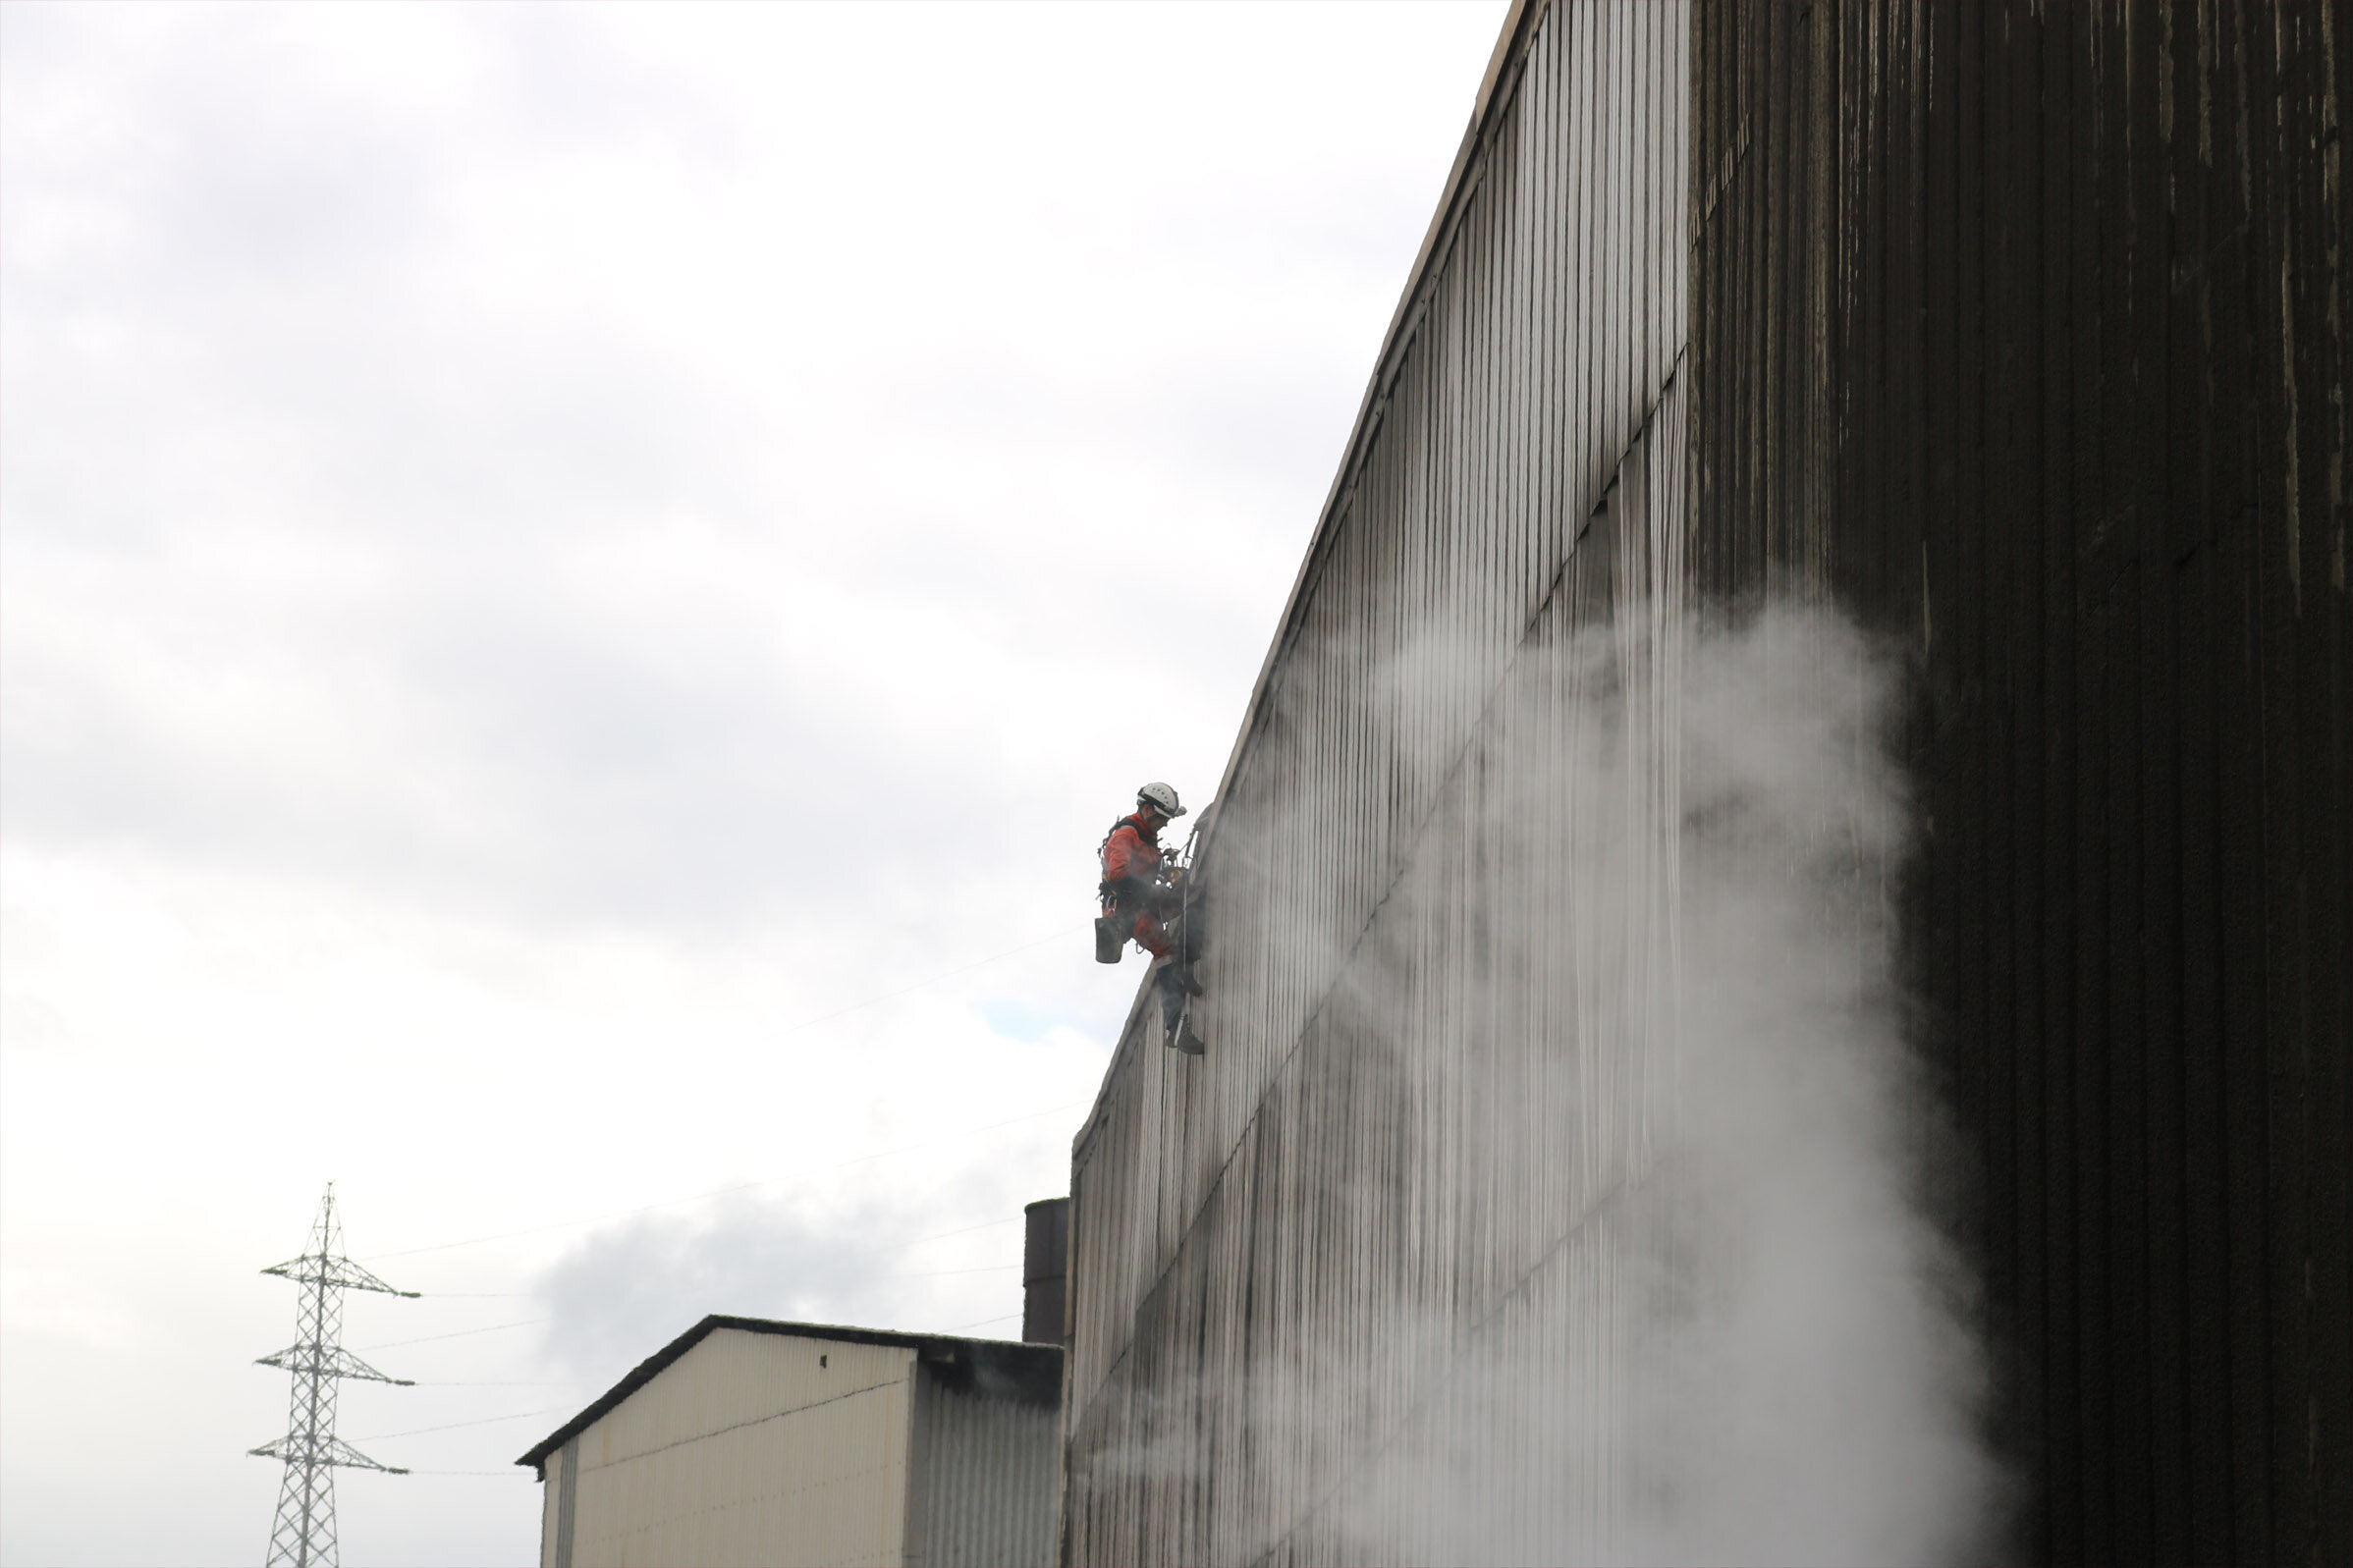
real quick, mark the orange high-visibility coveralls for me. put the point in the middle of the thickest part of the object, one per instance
(1130, 858)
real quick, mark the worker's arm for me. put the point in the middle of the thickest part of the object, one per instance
(1124, 868)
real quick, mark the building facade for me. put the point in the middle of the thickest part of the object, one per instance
(2008, 342)
(2021, 331)
(1397, 1156)
(751, 1442)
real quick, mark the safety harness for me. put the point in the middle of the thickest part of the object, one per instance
(1103, 883)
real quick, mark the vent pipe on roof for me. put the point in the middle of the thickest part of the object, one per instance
(1045, 1268)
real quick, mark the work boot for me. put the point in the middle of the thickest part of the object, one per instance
(1189, 1041)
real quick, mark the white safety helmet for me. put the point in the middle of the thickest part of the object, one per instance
(1161, 798)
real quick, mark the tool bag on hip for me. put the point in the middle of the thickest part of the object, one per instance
(1111, 935)
(1112, 925)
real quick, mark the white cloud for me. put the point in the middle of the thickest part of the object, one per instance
(551, 551)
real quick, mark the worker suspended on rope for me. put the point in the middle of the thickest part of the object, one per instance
(1143, 898)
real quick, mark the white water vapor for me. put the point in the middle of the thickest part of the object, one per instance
(1813, 1387)
(1753, 1341)
(1796, 1373)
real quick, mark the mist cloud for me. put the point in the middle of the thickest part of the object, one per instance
(1754, 1343)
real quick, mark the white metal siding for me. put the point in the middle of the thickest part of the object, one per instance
(747, 1451)
(1441, 927)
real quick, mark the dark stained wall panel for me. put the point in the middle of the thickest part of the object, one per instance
(2020, 330)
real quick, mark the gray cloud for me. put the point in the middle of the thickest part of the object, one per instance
(374, 503)
(628, 1289)
(541, 540)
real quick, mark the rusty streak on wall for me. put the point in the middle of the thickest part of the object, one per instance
(2021, 331)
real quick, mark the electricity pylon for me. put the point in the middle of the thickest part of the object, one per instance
(305, 1533)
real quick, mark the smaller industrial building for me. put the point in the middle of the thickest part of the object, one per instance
(750, 1441)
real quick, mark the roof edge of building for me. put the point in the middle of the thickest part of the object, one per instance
(1502, 75)
(1008, 1367)
(1520, 21)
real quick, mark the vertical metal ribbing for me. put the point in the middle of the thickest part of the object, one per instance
(1308, 1187)
(2016, 323)
(568, 1502)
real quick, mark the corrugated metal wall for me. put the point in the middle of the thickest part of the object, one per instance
(560, 1512)
(987, 1481)
(2021, 331)
(1285, 1254)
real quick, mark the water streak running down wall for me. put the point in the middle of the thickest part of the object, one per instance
(1277, 1248)
(1858, 1079)
(1586, 1234)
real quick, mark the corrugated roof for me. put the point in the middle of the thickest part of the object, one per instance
(1006, 1369)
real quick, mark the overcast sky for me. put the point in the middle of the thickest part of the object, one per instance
(577, 589)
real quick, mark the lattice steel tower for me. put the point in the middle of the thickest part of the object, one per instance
(305, 1533)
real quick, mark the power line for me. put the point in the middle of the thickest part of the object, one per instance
(741, 1186)
(988, 1224)
(523, 1295)
(534, 1296)
(806, 1023)
(991, 1269)
(486, 1421)
(862, 1252)
(945, 974)
(520, 1323)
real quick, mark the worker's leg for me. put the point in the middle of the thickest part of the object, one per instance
(1150, 935)
(1177, 1026)
(1180, 943)
(1173, 978)
(1169, 982)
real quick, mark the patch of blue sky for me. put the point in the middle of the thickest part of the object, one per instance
(1016, 1019)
